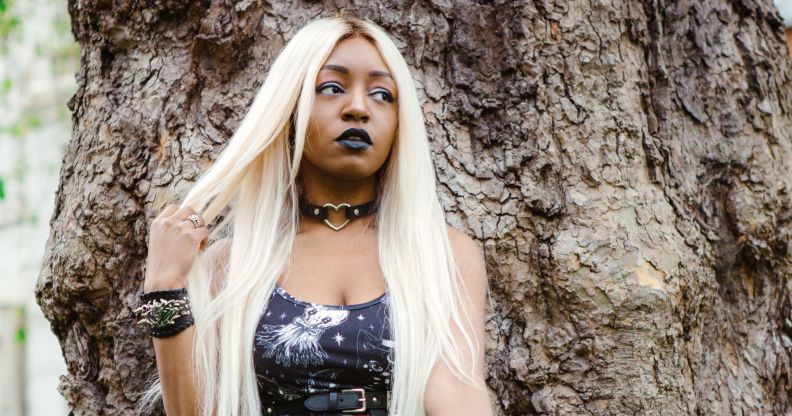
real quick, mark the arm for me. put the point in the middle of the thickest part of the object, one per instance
(445, 394)
(175, 371)
(174, 354)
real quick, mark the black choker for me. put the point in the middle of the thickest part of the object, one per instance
(321, 212)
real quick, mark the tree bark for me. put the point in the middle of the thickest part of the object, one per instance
(626, 166)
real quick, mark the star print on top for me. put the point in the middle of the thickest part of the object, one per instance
(303, 348)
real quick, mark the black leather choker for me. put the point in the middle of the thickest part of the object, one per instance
(321, 212)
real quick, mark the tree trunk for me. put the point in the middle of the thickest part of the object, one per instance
(626, 166)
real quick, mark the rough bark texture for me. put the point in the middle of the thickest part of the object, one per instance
(626, 166)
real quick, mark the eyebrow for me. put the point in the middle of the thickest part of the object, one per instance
(345, 70)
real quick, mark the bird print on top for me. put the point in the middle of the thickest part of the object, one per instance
(298, 341)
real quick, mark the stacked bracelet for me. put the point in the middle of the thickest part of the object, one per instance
(166, 312)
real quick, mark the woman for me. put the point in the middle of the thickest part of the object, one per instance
(338, 122)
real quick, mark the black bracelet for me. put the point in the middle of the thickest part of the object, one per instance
(164, 294)
(167, 312)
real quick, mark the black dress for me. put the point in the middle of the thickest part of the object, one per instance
(303, 348)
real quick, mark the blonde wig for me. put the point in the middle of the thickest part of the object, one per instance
(255, 177)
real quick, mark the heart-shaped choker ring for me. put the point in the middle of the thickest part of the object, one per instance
(321, 212)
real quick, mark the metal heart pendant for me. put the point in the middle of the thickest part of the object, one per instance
(336, 208)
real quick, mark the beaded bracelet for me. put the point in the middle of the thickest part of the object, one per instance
(167, 312)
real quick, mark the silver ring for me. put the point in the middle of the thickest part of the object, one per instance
(194, 218)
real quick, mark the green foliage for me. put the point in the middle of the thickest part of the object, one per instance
(21, 334)
(54, 46)
(22, 126)
(8, 22)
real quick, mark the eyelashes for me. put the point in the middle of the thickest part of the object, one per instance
(323, 87)
(386, 96)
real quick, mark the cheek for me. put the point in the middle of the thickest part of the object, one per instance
(313, 129)
(317, 123)
(392, 132)
(314, 136)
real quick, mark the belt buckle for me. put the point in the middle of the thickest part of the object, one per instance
(361, 399)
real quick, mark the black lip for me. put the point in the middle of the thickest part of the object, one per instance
(354, 132)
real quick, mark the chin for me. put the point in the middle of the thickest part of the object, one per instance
(353, 174)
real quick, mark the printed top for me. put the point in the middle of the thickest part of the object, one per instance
(303, 348)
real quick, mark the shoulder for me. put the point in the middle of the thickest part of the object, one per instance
(443, 381)
(469, 259)
(466, 250)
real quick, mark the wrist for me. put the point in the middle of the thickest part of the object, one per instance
(150, 285)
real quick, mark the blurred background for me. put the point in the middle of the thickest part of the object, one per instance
(38, 60)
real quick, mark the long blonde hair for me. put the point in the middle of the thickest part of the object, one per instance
(254, 181)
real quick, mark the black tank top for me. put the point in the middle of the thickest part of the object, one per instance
(303, 348)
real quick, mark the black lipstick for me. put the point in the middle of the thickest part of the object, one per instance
(354, 139)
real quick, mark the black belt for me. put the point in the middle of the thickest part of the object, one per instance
(348, 401)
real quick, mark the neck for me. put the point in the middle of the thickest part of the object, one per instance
(319, 188)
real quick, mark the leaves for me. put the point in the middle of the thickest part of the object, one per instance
(8, 22)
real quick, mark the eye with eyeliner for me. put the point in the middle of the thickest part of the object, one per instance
(387, 96)
(327, 85)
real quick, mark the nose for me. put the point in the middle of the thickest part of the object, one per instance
(356, 108)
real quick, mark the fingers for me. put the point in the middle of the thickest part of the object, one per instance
(201, 236)
(178, 217)
(182, 214)
(199, 233)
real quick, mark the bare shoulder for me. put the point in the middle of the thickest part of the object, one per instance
(469, 258)
(468, 399)
(472, 268)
